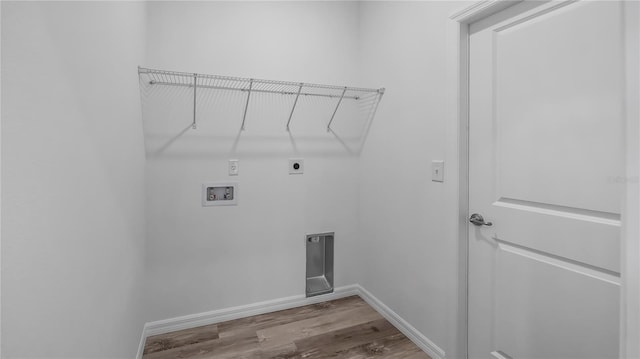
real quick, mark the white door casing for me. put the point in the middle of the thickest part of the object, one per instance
(546, 147)
(630, 301)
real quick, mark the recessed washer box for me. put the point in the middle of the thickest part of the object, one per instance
(219, 194)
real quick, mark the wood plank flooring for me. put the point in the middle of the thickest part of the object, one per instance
(346, 328)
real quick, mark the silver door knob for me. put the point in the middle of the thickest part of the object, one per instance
(478, 220)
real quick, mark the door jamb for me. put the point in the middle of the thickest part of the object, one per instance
(630, 244)
(458, 153)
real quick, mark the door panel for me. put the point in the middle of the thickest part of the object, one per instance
(557, 73)
(546, 129)
(589, 240)
(548, 311)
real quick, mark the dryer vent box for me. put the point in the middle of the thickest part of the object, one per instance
(219, 194)
(319, 264)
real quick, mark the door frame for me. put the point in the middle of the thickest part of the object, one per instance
(458, 155)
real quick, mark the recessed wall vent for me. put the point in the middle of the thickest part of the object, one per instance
(319, 264)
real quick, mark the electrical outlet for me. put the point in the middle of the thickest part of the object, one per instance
(437, 171)
(233, 167)
(296, 166)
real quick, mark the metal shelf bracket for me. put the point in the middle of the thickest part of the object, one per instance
(195, 87)
(336, 110)
(295, 102)
(246, 106)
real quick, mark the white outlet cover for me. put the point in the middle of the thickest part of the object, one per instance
(437, 171)
(234, 167)
(296, 166)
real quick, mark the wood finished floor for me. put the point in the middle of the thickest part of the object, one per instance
(346, 328)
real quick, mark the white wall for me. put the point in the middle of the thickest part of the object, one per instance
(81, 131)
(410, 232)
(201, 259)
(394, 234)
(72, 180)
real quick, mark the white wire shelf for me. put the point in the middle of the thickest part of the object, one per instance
(249, 86)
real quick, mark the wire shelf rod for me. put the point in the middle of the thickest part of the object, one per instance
(292, 93)
(249, 85)
(176, 75)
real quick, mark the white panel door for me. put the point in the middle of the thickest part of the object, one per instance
(546, 155)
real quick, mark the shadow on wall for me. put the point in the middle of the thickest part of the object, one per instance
(278, 118)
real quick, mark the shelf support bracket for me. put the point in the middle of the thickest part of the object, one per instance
(294, 105)
(195, 86)
(246, 106)
(336, 110)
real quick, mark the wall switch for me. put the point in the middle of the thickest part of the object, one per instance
(233, 167)
(437, 171)
(296, 166)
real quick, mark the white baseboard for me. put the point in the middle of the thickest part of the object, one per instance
(223, 315)
(143, 339)
(243, 311)
(407, 329)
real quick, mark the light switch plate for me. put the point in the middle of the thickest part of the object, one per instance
(437, 171)
(233, 167)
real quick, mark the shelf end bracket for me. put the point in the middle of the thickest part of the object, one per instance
(246, 106)
(294, 105)
(195, 86)
(336, 109)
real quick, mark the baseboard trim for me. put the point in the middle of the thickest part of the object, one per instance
(143, 339)
(223, 315)
(243, 311)
(407, 329)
